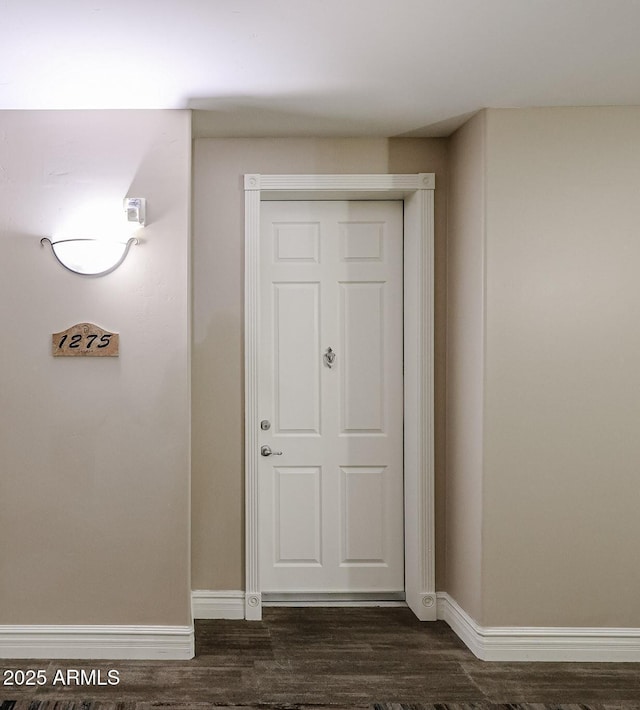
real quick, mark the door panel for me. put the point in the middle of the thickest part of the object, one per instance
(361, 241)
(362, 375)
(363, 499)
(297, 516)
(297, 242)
(296, 341)
(331, 504)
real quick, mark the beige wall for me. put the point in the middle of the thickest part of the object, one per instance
(465, 365)
(558, 388)
(218, 546)
(94, 481)
(562, 450)
(542, 385)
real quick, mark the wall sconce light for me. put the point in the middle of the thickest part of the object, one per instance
(96, 256)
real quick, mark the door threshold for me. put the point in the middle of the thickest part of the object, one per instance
(329, 603)
(336, 599)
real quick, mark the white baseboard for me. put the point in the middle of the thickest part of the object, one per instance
(210, 604)
(524, 643)
(98, 642)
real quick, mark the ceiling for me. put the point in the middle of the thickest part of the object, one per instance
(319, 67)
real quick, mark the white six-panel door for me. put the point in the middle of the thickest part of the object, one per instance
(331, 504)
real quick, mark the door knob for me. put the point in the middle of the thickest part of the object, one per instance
(266, 451)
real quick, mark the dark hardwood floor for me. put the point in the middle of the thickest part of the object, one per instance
(344, 658)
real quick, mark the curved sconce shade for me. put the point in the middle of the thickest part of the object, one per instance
(97, 256)
(90, 257)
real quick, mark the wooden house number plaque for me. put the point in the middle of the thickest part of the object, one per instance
(85, 340)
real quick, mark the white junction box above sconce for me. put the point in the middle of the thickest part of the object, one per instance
(136, 209)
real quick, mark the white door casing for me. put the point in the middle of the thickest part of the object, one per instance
(417, 193)
(331, 503)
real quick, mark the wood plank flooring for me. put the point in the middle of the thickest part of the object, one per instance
(342, 658)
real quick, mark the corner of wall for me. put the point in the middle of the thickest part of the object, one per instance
(465, 353)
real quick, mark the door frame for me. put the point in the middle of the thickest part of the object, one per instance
(417, 192)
